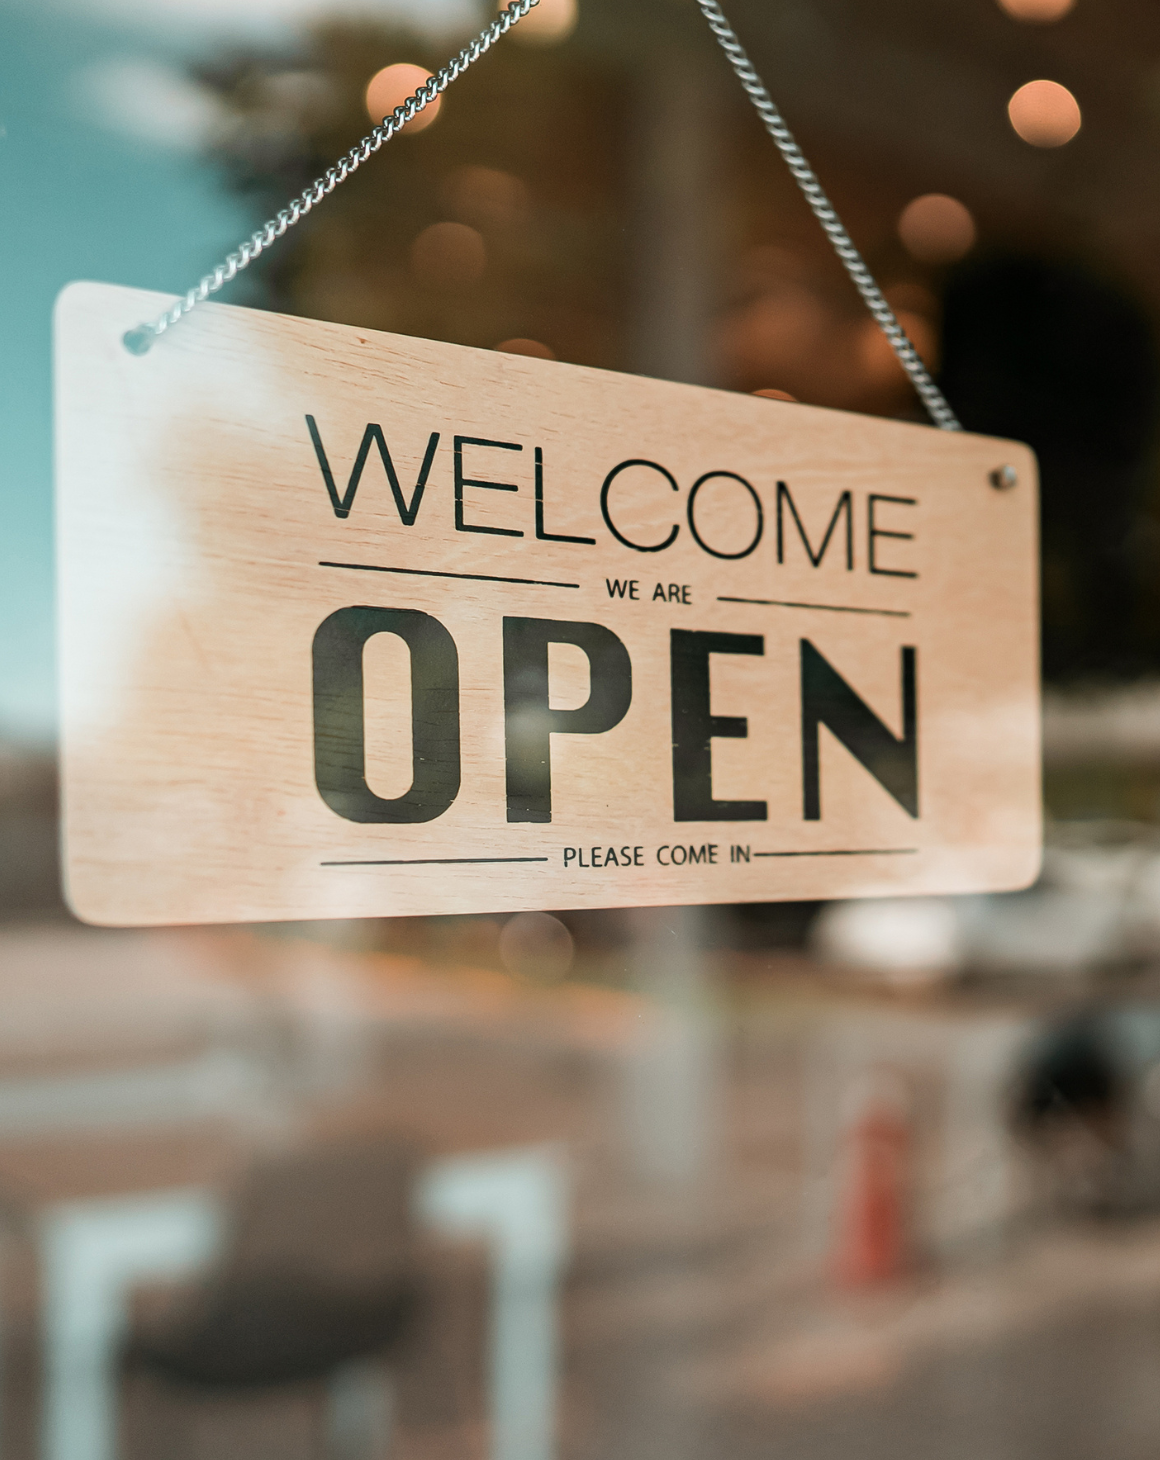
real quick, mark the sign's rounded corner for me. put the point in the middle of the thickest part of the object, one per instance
(67, 293)
(93, 916)
(1030, 873)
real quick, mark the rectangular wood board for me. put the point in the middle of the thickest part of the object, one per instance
(568, 639)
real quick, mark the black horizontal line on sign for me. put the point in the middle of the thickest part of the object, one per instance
(429, 573)
(431, 861)
(828, 607)
(850, 852)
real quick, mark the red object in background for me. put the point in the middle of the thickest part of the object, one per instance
(872, 1226)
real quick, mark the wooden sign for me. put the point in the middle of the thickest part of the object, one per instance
(354, 624)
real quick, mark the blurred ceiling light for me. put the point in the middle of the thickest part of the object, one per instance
(771, 394)
(1040, 12)
(936, 229)
(1045, 113)
(449, 255)
(535, 348)
(550, 22)
(391, 86)
(486, 197)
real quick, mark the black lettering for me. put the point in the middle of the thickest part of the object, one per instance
(874, 533)
(530, 723)
(569, 855)
(698, 854)
(540, 533)
(695, 726)
(339, 719)
(686, 590)
(618, 588)
(373, 435)
(586, 865)
(638, 856)
(738, 853)
(828, 700)
(844, 505)
(674, 593)
(713, 853)
(660, 859)
(659, 592)
(732, 475)
(679, 861)
(461, 481)
(610, 858)
(657, 547)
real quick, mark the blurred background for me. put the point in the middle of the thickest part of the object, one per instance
(879, 1178)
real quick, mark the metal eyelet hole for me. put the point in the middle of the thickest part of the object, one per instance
(1003, 478)
(139, 340)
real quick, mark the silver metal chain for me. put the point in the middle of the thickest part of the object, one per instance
(140, 339)
(823, 210)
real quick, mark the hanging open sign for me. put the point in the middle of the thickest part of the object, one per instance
(355, 624)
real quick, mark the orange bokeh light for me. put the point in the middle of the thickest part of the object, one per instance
(936, 229)
(551, 21)
(449, 256)
(484, 197)
(875, 355)
(1045, 114)
(391, 86)
(1038, 12)
(535, 349)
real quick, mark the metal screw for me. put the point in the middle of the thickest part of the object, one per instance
(1003, 478)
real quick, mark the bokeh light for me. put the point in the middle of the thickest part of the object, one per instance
(485, 197)
(449, 256)
(936, 229)
(912, 297)
(550, 22)
(391, 86)
(1038, 12)
(536, 349)
(1045, 113)
(875, 355)
(536, 945)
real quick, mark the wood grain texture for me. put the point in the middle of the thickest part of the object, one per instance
(193, 521)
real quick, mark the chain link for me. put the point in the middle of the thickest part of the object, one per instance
(140, 339)
(823, 210)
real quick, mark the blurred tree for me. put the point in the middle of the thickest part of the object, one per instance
(1052, 354)
(502, 219)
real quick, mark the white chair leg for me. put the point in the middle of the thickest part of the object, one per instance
(359, 1412)
(92, 1254)
(518, 1201)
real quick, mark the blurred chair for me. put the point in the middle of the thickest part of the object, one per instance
(310, 1279)
(313, 1284)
